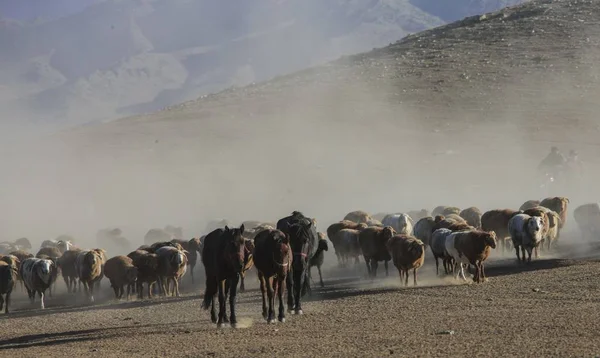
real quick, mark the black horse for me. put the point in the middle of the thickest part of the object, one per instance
(223, 258)
(303, 242)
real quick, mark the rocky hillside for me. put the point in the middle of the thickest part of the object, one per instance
(123, 57)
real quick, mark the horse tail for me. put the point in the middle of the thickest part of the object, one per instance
(210, 292)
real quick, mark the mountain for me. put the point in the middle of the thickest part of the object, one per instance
(115, 57)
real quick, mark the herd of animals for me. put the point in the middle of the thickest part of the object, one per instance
(284, 252)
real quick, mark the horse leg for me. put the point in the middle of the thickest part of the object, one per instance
(387, 272)
(271, 296)
(406, 274)
(279, 289)
(374, 265)
(242, 286)
(290, 291)
(437, 266)
(320, 276)
(415, 276)
(299, 279)
(227, 289)
(232, 297)
(221, 286)
(263, 291)
(368, 263)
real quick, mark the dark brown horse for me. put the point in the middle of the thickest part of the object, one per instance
(223, 258)
(273, 259)
(304, 239)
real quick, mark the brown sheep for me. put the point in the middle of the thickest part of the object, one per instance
(416, 215)
(52, 252)
(172, 265)
(456, 218)
(120, 272)
(348, 245)
(22, 256)
(408, 253)
(9, 274)
(445, 210)
(66, 263)
(472, 216)
(529, 204)
(359, 217)
(558, 204)
(497, 221)
(334, 228)
(89, 266)
(474, 247)
(451, 225)
(147, 266)
(373, 245)
(587, 217)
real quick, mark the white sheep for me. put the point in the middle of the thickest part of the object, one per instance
(525, 232)
(401, 223)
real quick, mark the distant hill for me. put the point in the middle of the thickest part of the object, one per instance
(116, 58)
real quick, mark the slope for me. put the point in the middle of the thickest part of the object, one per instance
(458, 115)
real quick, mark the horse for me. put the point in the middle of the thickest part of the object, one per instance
(303, 242)
(272, 259)
(223, 258)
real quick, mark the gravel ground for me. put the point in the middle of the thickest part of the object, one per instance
(549, 308)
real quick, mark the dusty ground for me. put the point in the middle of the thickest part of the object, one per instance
(547, 309)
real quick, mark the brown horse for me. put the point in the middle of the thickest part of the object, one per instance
(273, 259)
(223, 258)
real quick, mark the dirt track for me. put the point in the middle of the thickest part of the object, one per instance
(547, 309)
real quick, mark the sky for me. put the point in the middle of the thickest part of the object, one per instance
(49, 9)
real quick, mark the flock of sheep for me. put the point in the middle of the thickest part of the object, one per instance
(459, 238)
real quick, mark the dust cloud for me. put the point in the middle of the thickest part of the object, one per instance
(302, 142)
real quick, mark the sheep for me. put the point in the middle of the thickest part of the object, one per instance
(472, 216)
(157, 235)
(558, 204)
(347, 245)
(438, 249)
(373, 246)
(251, 234)
(417, 215)
(529, 204)
(37, 275)
(61, 245)
(157, 245)
(52, 252)
(451, 224)
(147, 265)
(192, 248)
(424, 228)
(373, 222)
(89, 266)
(113, 239)
(175, 231)
(587, 217)
(497, 221)
(318, 257)
(334, 228)
(526, 232)
(401, 223)
(9, 274)
(474, 247)
(23, 243)
(120, 271)
(541, 212)
(408, 253)
(445, 210)
(359, 217)
(66, 263)
(6, 247)
(172, 265)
